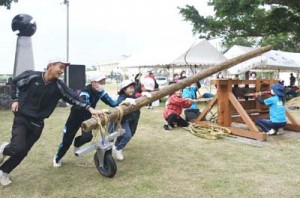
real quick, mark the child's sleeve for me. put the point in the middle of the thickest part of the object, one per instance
(121, 98)
(180, 102)
(269, 101)
(186, 103)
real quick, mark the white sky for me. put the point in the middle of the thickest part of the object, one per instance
(99, 30)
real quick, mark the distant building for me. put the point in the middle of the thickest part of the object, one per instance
(108, 66)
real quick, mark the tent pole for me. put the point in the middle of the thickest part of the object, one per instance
(297, 76)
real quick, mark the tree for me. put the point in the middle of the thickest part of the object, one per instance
(249, 22)
(7, 3)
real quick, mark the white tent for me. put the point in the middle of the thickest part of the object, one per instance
(271, 60)
(201, 53)
(291, 55)
(160, 56)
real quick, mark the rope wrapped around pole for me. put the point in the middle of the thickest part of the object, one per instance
(142, 101)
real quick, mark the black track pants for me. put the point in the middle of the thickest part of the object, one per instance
(25, 132)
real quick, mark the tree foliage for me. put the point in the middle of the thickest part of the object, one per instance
(249, 22)
(7, 3)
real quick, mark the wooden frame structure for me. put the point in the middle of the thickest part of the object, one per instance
(233, 106)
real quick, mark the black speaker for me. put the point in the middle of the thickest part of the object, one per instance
(76, 76)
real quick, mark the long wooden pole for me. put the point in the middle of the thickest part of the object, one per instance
(142, 101)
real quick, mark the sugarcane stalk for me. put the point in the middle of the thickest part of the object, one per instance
(142, 101)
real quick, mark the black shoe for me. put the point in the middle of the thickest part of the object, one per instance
(166, 127)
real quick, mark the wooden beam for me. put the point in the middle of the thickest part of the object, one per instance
(239, 108)
(292, 127)
(224, 106)
(291, 118)
(208, 108)
(249, 134)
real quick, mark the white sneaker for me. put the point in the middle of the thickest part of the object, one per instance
(271, 132)
(4, 179)
(56, 164)
(1, 151)
(75, 150)
(118, 154)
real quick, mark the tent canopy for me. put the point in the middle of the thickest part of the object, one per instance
(271, 60)
(200, 53)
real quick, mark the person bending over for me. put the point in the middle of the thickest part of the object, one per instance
(91, 94)
(35, 96)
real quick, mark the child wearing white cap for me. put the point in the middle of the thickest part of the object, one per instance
(129, 121)
(35, 95)
(91, 94)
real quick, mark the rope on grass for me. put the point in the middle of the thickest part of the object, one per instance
(209, 132)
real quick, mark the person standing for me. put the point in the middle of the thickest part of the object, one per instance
(35, 96)
(156, 86)
(175, 78)
(137, 78)
(182, 75)
(91, 94)
(292, 80)
(252, 77)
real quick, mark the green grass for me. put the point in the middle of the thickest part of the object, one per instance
(158, 164)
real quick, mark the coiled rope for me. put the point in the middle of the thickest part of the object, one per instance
(209, 132)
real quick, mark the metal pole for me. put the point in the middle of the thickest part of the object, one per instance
(67, 42)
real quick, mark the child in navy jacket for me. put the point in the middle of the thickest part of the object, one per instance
(129, 121)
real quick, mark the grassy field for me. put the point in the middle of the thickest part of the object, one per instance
(159, 164)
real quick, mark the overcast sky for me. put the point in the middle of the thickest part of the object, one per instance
(99, 30)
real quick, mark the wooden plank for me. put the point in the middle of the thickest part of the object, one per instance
(249, 111)
(253, 118)
(249, 134)
(207, 108)
(242, 113)
(292, 127)
(224, 106)
(291, 118)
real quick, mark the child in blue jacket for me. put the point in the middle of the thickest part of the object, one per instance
(277, 111)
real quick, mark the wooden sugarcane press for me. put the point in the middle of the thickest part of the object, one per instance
(236, 103)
